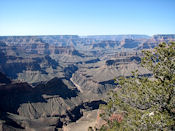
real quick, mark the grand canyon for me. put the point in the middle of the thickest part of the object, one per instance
(57, 82)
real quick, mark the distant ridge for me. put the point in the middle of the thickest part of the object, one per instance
(164, 36)
(117, 37)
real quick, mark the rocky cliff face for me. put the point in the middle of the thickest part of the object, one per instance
(87, 85)
(43, 107)
(119, 61)
(30, 59)
(106, 44)
(59, 44)
(18, 97)
(34, 45)
(130, 43)
(155, 40)
(12, 65)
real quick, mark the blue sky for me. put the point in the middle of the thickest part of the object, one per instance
(86, 17)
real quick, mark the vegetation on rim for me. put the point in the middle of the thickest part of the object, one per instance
(142, 103)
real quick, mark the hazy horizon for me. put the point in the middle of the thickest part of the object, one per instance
(87, 35)
(84, 18)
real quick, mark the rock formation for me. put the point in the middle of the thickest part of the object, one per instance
(47, 82)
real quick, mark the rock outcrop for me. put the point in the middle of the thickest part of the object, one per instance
(44, 107)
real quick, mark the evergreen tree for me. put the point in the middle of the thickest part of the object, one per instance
(145, 103)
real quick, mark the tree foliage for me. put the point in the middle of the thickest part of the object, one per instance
(145, 103)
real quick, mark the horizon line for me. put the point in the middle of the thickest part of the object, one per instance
(89, 35)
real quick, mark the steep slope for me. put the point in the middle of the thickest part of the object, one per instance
(44, 107)
(4, 79)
